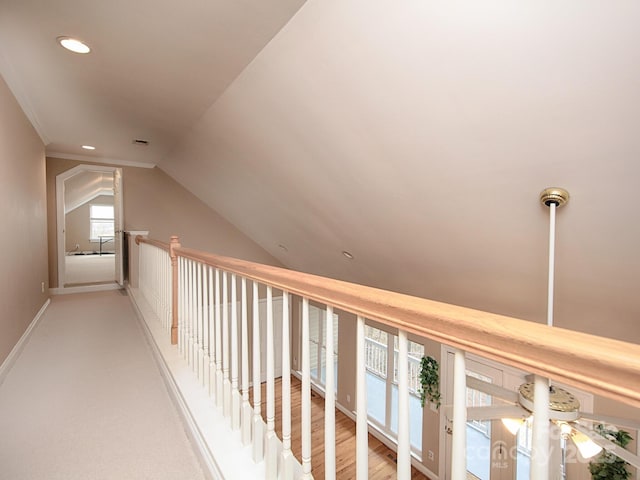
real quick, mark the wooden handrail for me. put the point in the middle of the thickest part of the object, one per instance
(604, 366)
(156, 243)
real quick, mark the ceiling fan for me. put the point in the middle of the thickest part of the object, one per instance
(564, 411)
(564, 407)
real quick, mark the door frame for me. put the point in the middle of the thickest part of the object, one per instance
(60, 226)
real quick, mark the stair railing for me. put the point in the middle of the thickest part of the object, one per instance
(211, 303)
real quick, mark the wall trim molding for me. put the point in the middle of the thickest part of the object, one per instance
(207, 462)
(107, 161)
(17, 349)
(203, 422)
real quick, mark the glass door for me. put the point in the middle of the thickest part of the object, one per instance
(488, 443)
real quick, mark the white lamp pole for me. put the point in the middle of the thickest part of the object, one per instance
(540, 459)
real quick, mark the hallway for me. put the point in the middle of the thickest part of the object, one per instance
(85, 400)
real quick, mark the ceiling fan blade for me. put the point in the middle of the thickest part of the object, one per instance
(496, 412)
(493, 390)
(626, 455)
(622, 422)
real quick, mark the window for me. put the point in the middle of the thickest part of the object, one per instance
(317, 346)
(101, 222)
(382, 389)
(476, 398)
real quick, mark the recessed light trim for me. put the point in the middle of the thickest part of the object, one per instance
(74, 45)
(347, 255)
(88, 147)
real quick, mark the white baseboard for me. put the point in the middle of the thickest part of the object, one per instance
(207, 462)
(85, 289)
(15, 351)
(203, 422)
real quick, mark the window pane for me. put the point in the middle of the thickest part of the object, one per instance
(415, 418)
(101, 228)
(101, 211)
(376, 351)
(317, 342)
(479, 433)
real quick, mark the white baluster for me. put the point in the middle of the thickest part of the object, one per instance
(271, 438)
(194, 319)
(404, 445)
(306, 393)
(459, 435)
(158, 288)
(235, 392)
(226, 403)
(163, 300)
(163, 292)
(190, 318)
(257, 424)
(180, 304)
(212, 365)
(206, 313)
(287, 458)
(167, 289)
(183, 302)
(199, 326)
(362, 433)
(160, 310)
(246, 406)
(218, 319)
(329, 403)
(540, 441)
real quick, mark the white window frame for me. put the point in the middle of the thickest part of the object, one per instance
(390, 381)
(320, 345)
(93, 220)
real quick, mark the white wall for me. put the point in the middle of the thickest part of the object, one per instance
(418, 134)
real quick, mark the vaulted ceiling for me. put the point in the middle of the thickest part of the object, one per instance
(416, 135)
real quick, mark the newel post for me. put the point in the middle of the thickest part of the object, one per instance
(174, 243)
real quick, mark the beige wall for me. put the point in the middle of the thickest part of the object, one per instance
(77, 226)
(153, 201)
(23, 213)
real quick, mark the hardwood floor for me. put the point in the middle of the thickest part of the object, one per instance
(382, 460)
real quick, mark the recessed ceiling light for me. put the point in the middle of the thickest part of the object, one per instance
(347, 255)
(88, 147)
(73, 44)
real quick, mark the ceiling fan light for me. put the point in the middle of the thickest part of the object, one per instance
(588, 448)
(513, 424)
(565, 428)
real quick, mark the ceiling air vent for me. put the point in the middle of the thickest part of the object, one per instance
(137, 141)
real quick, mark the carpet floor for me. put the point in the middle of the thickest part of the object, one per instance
(85, 400)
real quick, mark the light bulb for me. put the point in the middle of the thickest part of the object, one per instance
(512, 424)
(588, 448)
(565, 428)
